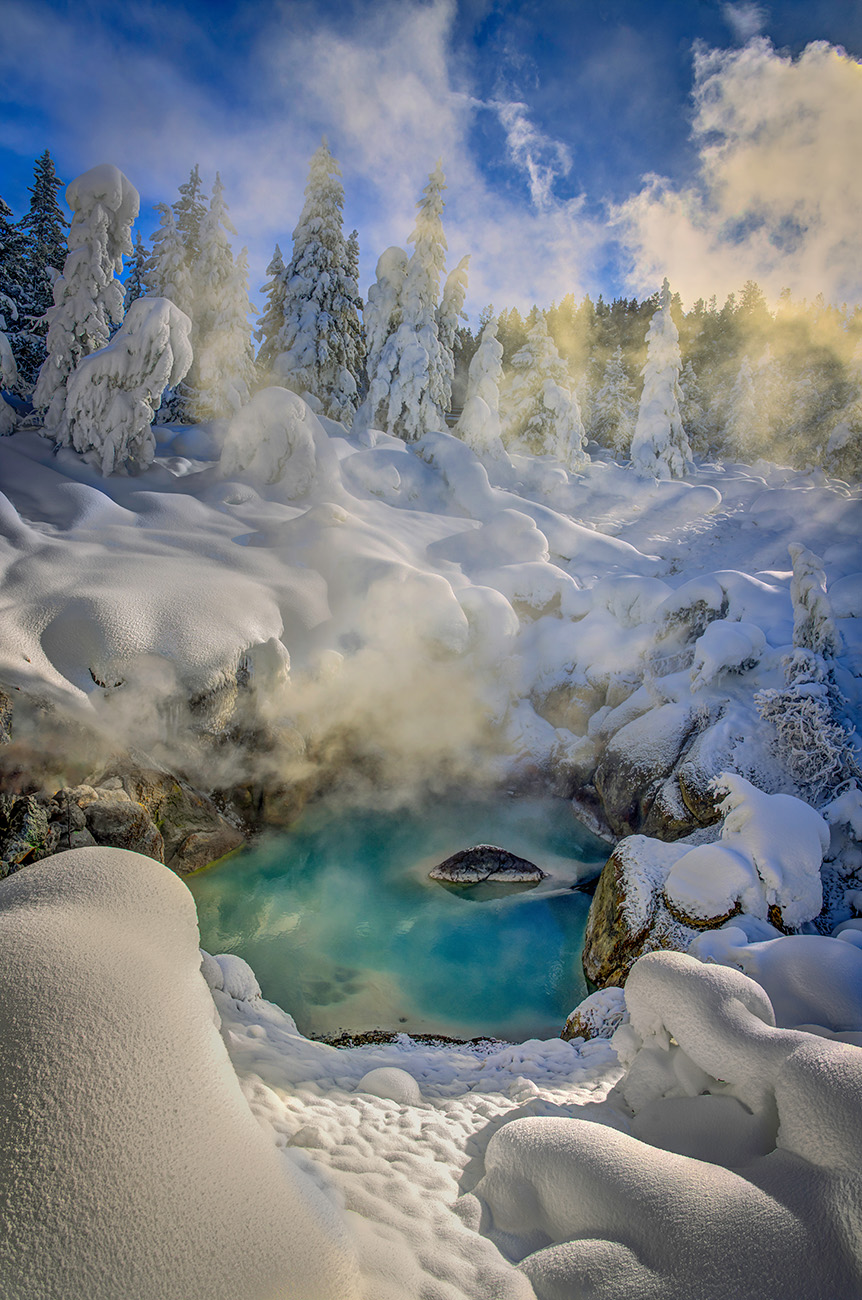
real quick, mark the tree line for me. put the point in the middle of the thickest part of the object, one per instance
(742, 380)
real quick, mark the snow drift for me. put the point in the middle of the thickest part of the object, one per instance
(130, 1163)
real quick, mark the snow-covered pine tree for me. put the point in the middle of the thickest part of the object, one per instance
(541, 411)
(693, 411)
(318, 342)
(479, 425)
(43, 230)
(190, 213)
(88, 297)
(843, 452)
(136, 271)
(12, 293)
(223, 372)
(382, 317)
(660, 448)
(354, 315)
(614, 407)
(449, 313)
(168, 274)
(271, 322)
(751, 424)
(407, 380)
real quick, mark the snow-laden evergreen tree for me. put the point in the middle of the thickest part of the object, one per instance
(660, 448)
(354, 318)
(88, 297)
(318, 342)
(190, 213)
(540, 408)
(167, 273)
(693, 411)
(113, 394)
(479, 425)
(271, 323)
(43, 232)
(137, 271)
(752, 409)
(449, 313)
(223, 372)
(406, 367)
(12, 293)
(382, 318)
(843, 452)
(614, 406)
(8, 368)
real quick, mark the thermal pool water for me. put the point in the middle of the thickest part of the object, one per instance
(343, 928)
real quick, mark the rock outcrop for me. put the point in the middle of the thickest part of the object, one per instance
(485, 863)
(627, 915)
(193, 830)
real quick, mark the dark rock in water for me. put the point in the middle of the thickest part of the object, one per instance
(487, 863)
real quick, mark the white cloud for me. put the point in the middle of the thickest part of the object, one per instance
(778, 193)
(744, 20)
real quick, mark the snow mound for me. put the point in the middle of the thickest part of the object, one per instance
(618, 1216)
(391, 1084)
(725, 647)
(130, 1162)
(769, 856)
(272, 440)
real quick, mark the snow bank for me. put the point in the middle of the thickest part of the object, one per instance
(613, 1215)
(769, 856)
(271, 440)
(130, 1162)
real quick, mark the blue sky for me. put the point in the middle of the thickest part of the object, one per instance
(589, 145)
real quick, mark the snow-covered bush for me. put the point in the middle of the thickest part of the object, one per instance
(88, 297)
(813, 739)
(724, 647)
(271, 440)
(479, 425)
(660, 448)
(113, 394)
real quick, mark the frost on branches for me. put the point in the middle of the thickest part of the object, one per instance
(813, 740)
(660, 448)
(409, 366)
(88, 298)
(317, 348)
(479, 425)
(542, 414)
(113, 394)
(223, 372)
(449, 313)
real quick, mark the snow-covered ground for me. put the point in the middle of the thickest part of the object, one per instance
(362, 594)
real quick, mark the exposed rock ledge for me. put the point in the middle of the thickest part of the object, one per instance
(487, 863)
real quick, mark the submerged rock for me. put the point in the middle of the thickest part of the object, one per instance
(487, 863)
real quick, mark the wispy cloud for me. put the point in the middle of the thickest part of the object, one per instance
(543, 159)
(777, 197)
(744, 20)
